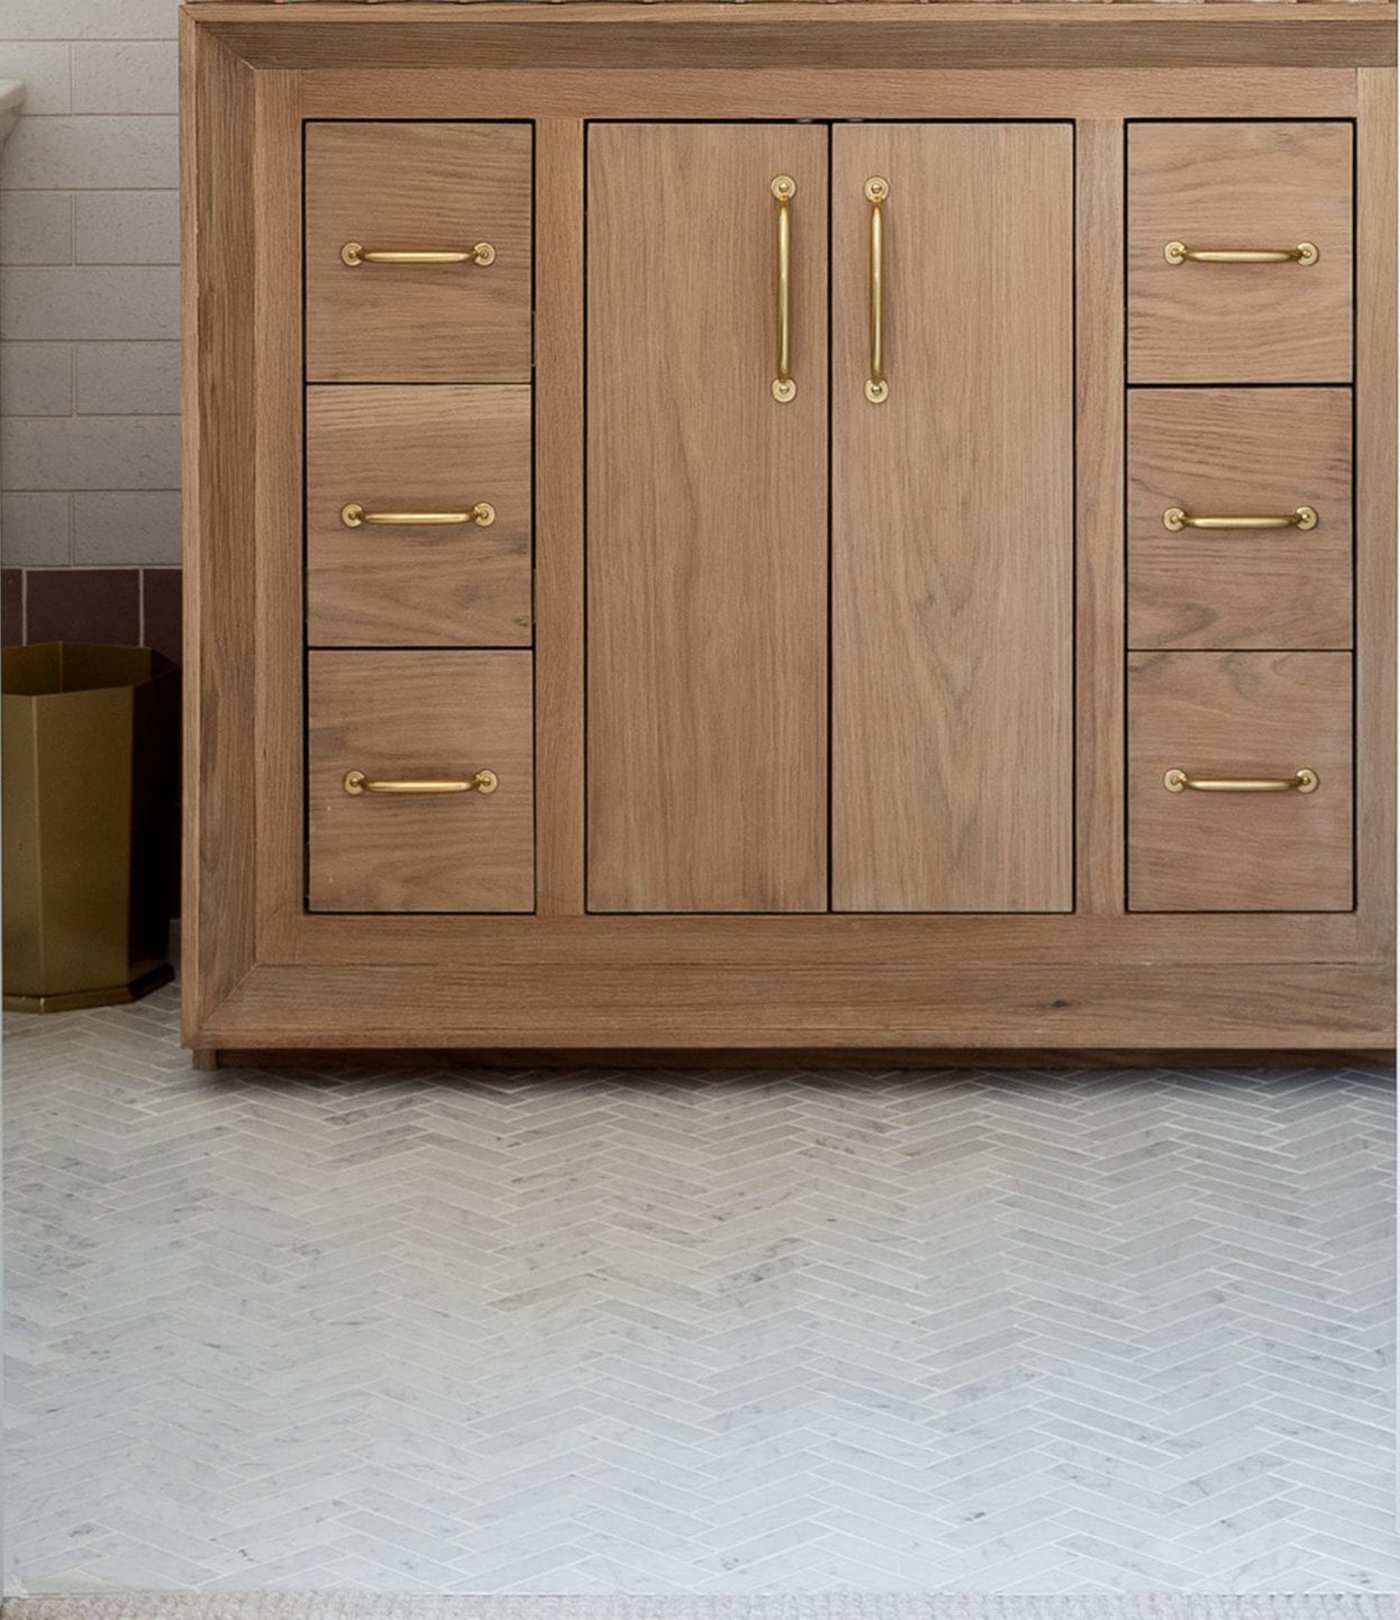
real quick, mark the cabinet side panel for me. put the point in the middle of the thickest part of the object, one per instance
(1375, 508)
(707, 522)
(219, 420)
(953, 522)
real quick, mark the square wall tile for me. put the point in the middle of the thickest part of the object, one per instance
(84, 604)
(36, 227)
(121, 528)
(128, 227)
(90, 452)
(45, 154)
(36, 529)
(36, 379)
(89, 302)
(126, 77)
(45, 71)
(126, 379)
(91, 19)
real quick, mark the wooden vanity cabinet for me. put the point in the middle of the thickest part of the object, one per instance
(857, 529)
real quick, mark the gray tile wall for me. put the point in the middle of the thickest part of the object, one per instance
(89, 300)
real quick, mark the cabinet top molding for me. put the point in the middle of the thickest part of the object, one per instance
(877, 35)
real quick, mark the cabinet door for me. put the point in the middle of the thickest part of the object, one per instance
(707, 521)
(953, 520)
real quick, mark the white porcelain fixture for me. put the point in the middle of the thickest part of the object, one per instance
(11, 100)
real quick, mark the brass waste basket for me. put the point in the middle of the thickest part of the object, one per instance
(91, 772)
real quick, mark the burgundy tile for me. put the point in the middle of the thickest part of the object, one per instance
(84, 604)
(163, 618)
(11, 606)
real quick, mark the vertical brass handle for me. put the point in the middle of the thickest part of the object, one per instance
(784, 189)
(877, 190)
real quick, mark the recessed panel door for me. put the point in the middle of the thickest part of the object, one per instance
(952, 517)
(707, 518)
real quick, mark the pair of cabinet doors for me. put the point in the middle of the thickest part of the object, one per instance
(830, 517)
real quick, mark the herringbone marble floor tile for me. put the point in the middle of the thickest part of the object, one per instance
(474, 1332)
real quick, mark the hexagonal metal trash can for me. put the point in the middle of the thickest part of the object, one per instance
(91, 783)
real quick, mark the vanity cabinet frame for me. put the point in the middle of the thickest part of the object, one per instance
(262, 973)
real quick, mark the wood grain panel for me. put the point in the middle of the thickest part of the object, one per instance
(1239, 185)
(559, 159)
(218, 426)
(924, 943)
(1100, 884)
(428, 186)
(421, 715)
(1087, 94)
(1375, 509)
(419, 450)
(1241, 1005)
(1235, 450)
(275, 668)
(953, 523)
(1251, 714)
(892, 36)
(706, 523)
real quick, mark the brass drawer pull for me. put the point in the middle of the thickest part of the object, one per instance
(355, 254)
(784, 189)
(1178, 253)
(1302, 781)
(877, 190)
(483, 514)
(1176, 518)
(356, 782)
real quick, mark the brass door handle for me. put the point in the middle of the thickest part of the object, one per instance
(1301, 781)
(355, 254)
(877, 190)
(354, 516)
(1178, 253)
(1177, 518)
(356, 782)
(784, 189)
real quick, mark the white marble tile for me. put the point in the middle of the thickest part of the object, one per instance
(528, 1333)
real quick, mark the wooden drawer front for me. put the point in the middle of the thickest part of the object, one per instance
(1232, 715)
(1239, 185)
(418, 187)
(419, 716)
(1239, 452)
(418, 452)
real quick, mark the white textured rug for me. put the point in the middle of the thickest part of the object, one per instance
(358, 1606)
